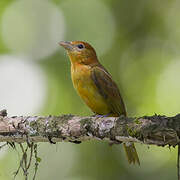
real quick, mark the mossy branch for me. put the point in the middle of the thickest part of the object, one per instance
(157, 130)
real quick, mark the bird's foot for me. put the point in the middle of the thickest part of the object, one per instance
(101, 115)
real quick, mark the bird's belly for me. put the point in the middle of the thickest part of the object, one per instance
(92, 98)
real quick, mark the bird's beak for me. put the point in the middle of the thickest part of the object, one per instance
(66, 44)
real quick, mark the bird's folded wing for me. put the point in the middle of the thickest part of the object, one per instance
(108, 89)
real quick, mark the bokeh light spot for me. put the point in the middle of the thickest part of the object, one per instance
(23, 86)
(90, 21)
(32, 28)
(168, 88)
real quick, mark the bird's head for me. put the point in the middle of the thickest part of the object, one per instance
(80, 52)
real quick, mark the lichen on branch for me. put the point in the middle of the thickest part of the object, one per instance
(156, 129)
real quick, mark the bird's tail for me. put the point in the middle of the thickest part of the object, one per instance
(131, 153)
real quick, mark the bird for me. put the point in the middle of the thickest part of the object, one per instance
(95, 86)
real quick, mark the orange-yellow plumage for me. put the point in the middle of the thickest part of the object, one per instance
(88, 91)
(95, 86)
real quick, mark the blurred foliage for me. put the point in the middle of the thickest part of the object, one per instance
(138, 42)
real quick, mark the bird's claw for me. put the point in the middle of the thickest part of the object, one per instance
(101, 115)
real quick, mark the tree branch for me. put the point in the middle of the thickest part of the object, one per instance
(157, 130)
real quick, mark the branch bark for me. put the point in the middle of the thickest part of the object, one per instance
(157, 130)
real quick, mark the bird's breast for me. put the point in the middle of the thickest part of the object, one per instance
(81, 77)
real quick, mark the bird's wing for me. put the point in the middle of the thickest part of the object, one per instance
(108, 89)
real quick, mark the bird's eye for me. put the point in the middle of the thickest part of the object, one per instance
(80, 46)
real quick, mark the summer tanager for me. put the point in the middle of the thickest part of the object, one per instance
(95, 86)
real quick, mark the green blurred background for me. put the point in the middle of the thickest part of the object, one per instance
(137, 41)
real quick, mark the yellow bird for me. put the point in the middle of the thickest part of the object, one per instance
(95, 86)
